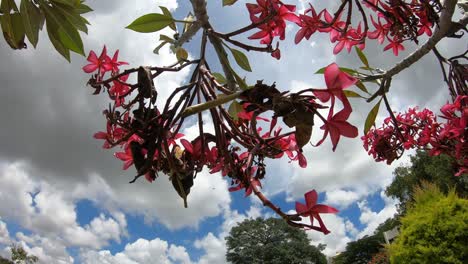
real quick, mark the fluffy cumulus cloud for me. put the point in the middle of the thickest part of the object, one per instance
(373, 219)
(141, 251)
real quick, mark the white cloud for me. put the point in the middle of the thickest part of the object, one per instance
(373, 219)
(141, 251)
(341, 198)
(4, 234)
(50, 212)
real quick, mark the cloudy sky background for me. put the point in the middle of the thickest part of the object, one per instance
(66, 200)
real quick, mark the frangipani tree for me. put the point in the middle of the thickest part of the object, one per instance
(253, 122)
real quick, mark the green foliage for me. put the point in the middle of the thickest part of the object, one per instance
(271, 241)
(434, 230)
(62, 17)
(439, 170)
(19, 256)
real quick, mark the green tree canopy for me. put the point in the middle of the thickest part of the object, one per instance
(271, 241)
(436, 169)
(434, 229)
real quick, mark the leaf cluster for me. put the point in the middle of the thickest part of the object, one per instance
(62, 18)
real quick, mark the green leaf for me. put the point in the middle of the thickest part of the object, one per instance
(349, 94)
(18, 32)
(63, 31)
(240, 81)
(229, 2)
(74, 18)
(150, 23)
(234, 109)
(31, 20)
(54, 38)
(361, 56)
(241, 59)
(343, 69)
(168, 13)
(6, 6)
(82, 9)
(219, 78)
(166, 38)
(367, 68)
(362, 87)
(181, 54)
(156, 50)
(370, 120)
(70, 3)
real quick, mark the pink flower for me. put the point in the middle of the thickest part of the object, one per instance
(395, 45)
(114, 63)
(312, 209)
(101, 64)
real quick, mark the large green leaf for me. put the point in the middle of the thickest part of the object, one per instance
(63, 31)
(31, 20)
(370, 120)
(150, 23)
(241, 59)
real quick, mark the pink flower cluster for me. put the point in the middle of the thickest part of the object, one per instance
(396, 22)
(275, 13)
(420, 129)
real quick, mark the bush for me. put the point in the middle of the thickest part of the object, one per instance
(434, 230)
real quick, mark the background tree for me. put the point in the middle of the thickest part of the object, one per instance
(435, 169)
(433, 229)
(19, 256)
(271, 241)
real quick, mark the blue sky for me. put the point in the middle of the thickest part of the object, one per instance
(66, 200)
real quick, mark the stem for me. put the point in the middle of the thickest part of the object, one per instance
(210, 104)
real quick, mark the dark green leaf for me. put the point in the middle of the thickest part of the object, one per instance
(168, 13)
(229, 2)
(219, 78)
(31, 20)
(18, 30)
(349, 94)
(70, 3)
(54, 38)
(370, 120)
(82, 9)
(74, 18)
(234, 109)
(64, 32)
(241, 59)
(150, 23)
(361, 56)
(6, 6)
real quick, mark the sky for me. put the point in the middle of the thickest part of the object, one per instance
(67, 200)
